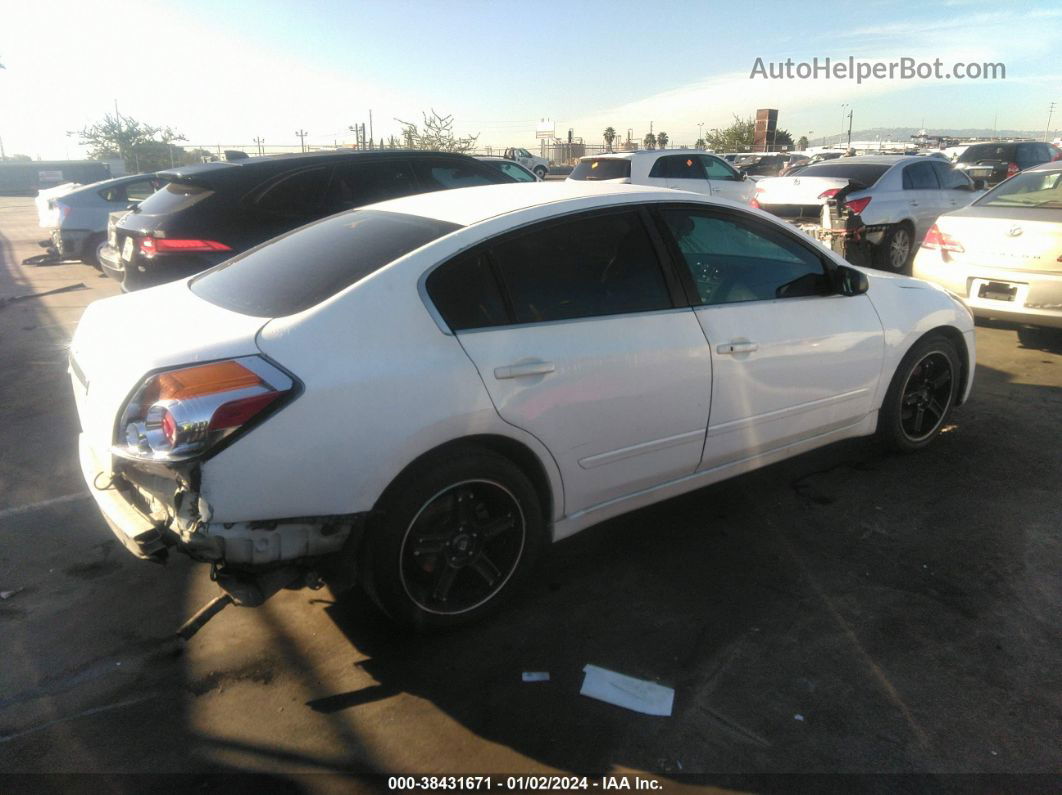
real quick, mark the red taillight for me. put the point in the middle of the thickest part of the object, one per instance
(857, 206)
(1057, 155)
(1012, 169)
(829, 193)
(64, 210)
(236, 413)
(150, 246)
(939, 241)
(754, 204)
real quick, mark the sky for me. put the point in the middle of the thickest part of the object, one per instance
(225, 73)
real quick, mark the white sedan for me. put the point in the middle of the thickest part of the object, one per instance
(431, 389)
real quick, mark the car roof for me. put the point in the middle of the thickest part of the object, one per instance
(468, 206)
(113, 181)
(278, 162)
(878, 160)
(1050, 165)
(644, 153)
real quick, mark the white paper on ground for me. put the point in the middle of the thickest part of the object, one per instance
(536, 676)
(626, 691)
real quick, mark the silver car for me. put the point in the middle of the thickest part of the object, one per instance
(1003, 253)
(898, 198)
(78, 218)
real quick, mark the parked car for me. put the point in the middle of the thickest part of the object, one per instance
(77, 217)
(794, 162)
(1003, 252)
(681, 169)
(447, 382)
(210, 212)
(899, 198)
(509, 167)
(768, 164)
(538, 166)
(994, 162)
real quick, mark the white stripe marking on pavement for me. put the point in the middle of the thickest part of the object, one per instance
(21, 509)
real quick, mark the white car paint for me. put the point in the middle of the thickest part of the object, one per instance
(719, 179)
(890, 201)
(634, 409)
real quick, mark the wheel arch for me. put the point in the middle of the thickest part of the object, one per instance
(516, 451)
(956, 338)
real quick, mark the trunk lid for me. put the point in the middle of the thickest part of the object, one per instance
(796, 190)
(1001, 238)
(120, 340)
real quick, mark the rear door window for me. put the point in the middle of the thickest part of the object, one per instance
(443, 174)
(304, 267)
(467, 294)
(1028, 155)
(357, 184)
(920, 176)
(715, 168)
(678, 167)
(602, 168)
(584, 267)
(950, 179)
(174, 198)
(516, 172)
(297, 194)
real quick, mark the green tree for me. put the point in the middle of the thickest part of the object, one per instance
(437, 135)
(739, 137)
(802, 144)
(701, 144)
(649, 140)
(143, 147)
(661, 139)
(609, 136)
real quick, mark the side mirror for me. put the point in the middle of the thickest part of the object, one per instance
(849, 281)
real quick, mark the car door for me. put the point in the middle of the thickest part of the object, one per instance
(924, 197)
(725, 181)
(580, 338)
(958, 188)
(683, 172)
(791, 359)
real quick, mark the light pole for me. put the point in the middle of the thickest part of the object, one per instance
(1050, 113)
(700, 131)
(302, 138)
(839, 137)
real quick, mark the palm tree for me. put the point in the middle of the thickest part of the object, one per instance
(662, 139)
(610, 136)
(650, 141)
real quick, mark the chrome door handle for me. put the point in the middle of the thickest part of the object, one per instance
(523, 369)
(738, 347)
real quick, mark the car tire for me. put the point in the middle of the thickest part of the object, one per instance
(90, 251)
(1035, 336)
(921, 395)
(452, 539)
(540, 172)
(896, 250)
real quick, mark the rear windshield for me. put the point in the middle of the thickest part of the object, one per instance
(1042, 189)
(302, 268)
(987, 152)
(861, 173)
(173, 198)
(598, 168)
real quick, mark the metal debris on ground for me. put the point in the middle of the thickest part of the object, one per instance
(7, 594)
(638, 695)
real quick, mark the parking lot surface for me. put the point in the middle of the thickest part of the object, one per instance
(843, 612)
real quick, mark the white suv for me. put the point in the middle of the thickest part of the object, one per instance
(680, 169)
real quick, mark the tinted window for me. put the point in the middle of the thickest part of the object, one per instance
(302, 268)
(597, 265)
(864, 174)
(678, 167)
(598, 168)
(358, 184)
(442, 174)
(987, 152)
(513, 170)
(1029, 155)
(295, 194)
(920, 176)
(732, 261)
(950, 178)
(714, 168)
(173, 198)
(138, 191)
(466, 293)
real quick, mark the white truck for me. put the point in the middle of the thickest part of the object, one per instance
(539, 165)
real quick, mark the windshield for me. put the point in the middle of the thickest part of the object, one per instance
(861, 173)
(599, 168)
(986, 152)
(173, 198)
(1028, 189)
(302, 268)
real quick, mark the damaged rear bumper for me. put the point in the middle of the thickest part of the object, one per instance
(151, 512)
